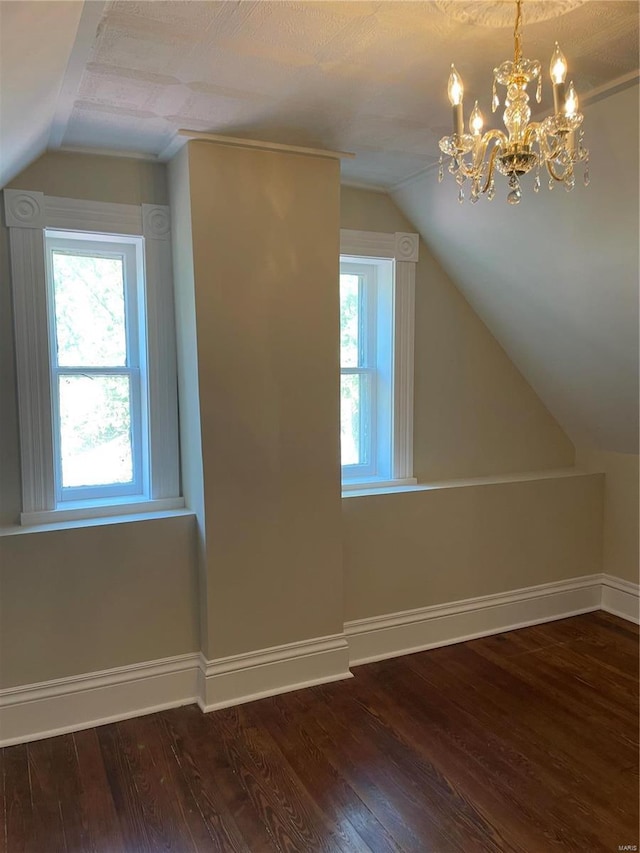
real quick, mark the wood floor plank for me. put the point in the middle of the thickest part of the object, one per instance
(518, 769)
(95, 800)
(533, 703)
(129, 808)
(294, 820)
(328, 788)
(502, 810)
(173, 783)
(221, 795)
(510, 735)
(66, 777)
(529, 720)
(18, 807)
(46, 818)
(361, 763)
(147, 768)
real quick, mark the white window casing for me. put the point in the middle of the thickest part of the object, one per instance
(28, 215)
(403, 249)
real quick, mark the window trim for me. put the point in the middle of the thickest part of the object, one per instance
(28, 214)
(403, 249)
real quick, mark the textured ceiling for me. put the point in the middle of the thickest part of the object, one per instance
(366, 77)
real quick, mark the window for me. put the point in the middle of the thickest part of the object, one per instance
(95, 290)
(376, 359)
(97, 401)
(366, 365)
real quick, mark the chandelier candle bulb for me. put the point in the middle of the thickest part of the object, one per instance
(476, 121)
(558, 72)
(455, 91)
(571, 101)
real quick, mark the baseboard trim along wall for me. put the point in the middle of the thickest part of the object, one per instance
(622, 598)
(35, 711)
(454, 622)
(255, 675)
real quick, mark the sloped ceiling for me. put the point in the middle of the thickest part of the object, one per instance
(36, 40)
(556, 278)
(367, 77)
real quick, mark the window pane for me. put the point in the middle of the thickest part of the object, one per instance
(95, 430)
(355, 419)
(349, 320)
(89, 310)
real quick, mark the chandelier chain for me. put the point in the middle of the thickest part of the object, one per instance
(517, 38)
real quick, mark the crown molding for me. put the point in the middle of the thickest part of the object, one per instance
(106, 152)
(239, 142)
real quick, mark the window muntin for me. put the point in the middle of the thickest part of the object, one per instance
(95, 290)
(366, 367)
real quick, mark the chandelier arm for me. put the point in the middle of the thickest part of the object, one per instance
(489, 136)
(532, 133)
(552, 173)
(551, 155)
(492, 160)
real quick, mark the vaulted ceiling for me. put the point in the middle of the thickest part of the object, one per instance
(555, 280)
(366, 77)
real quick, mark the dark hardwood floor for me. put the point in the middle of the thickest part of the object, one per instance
(526, 741)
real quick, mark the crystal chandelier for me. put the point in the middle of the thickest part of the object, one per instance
(550, 143)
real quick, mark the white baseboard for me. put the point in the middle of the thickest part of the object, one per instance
(36, 711)
(622, 598)
(444, 624)
(255, 675)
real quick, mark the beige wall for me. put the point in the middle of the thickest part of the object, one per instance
(427, 547)
(621, 548)
(265, 231)
(92, 598)
(474, 412)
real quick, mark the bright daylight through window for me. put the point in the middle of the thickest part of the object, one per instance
(366, 367)
(98, 375)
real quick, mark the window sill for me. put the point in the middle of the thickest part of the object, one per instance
(362, 490)
(355, 488)
(17, 530)
(113, 513)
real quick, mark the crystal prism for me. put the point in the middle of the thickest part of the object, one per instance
(514, 197)
(491, 193)
(587, 179)
(536, 184)
(551, 183)
(539, 89)
(460, 196)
